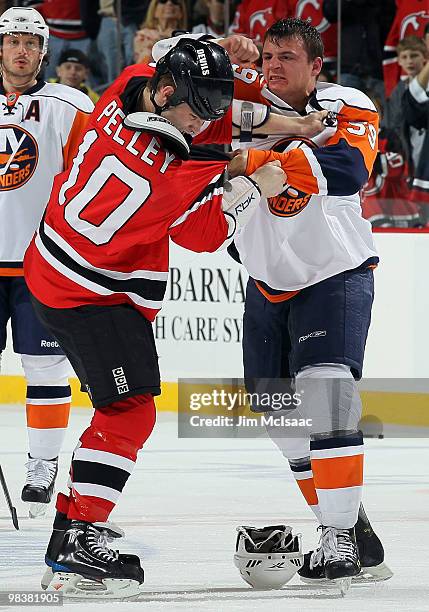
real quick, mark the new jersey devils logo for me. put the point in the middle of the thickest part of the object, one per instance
(18, 157)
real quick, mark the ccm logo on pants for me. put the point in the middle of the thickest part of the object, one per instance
(120, 380)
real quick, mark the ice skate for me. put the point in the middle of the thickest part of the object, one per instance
(39, 484)
(267, 557)
(371, 555)
(338, 555)
(108, 531)
(371, 552)
(86, 568)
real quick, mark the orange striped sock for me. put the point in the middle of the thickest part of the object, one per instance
(301, 469)
(337, 465)
(48, 409)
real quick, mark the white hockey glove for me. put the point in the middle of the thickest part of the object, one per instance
(242, 194)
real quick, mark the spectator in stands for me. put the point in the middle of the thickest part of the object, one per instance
(133, 13)
(214, 23)
(412, 56)
(71, 24)
(73, 70)
(162, 19)
(253, 18)
(362, 36)
(426, 36)
(386, 198)
(415, 107)
(411, 18)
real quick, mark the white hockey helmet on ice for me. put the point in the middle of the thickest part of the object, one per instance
(268, 557)
(17, 20)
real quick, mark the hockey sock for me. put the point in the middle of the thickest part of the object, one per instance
(48, 409)
(301, 469)
(105, 458)
(337, 465)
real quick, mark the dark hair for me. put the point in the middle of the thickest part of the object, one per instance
(297, 28)
(426, 30)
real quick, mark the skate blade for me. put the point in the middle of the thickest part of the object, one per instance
(367, 575)
(37, 509)
(75, 586)
(377, 573)
(343, 584)
(46, 578)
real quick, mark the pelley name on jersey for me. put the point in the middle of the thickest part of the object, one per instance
(317, 219)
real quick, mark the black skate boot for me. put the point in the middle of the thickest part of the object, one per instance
(108, 531)
(371, 552)
(336, 560)
(39, 485)
(86, 568)
(371, 555)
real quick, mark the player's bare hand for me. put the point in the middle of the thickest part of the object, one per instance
(241, 50)
(270, 179)
(238, 164)
(312, 124)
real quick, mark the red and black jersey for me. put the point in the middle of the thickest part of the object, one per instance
(63, 18)
(105, 235)
(411, 18)
(311, 10)
(386, 198)
(253, 18)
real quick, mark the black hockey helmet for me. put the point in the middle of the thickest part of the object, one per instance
(203, 78)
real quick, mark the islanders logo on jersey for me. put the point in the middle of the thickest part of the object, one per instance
(19, 155)
(291, 201)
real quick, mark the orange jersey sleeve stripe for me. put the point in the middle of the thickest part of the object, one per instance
(359, 128)
(75, 136)
(308, 490)
(50, 416)
(294, 163)
(338, 472)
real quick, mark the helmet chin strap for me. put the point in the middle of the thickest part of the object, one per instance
(158, 109)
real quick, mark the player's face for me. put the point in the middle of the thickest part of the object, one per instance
(183, 117)
(289, 73)
(72, 73)
(21, 55)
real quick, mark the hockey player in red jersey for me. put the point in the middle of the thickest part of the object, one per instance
(98, 269)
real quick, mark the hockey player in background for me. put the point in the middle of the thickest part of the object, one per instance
(40, 127)
(98, 270)
(309, 254)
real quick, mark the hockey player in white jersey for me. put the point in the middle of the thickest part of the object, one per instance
(40, 127)
(310, 256)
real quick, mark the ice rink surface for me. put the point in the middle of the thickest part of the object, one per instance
(184, 500)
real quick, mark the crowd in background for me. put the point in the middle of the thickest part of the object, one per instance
(380, 47)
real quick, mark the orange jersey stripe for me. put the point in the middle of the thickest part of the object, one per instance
(50, 416)
(308, 490)
(280, 297)
(338, 472)
(11, 272)
(75, 136)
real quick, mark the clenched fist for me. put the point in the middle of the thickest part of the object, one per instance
(241, 50)
(270, 179)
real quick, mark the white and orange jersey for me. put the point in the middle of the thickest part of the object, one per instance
(314, 229)
(40, 131)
